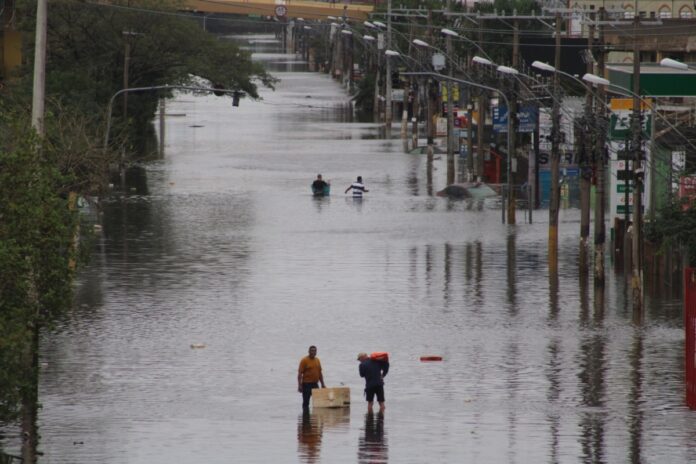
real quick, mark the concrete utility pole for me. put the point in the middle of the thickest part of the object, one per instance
(600, 229)
(450, 108)
(586, 155)
(482, 104)
(29, 409)
(376, 101)
(512, 113)
(432, 99)
(39, 90)
(126, 72)
(637, 261)
(388, 102)
(555, 156)
(415, 88)
(469, 134)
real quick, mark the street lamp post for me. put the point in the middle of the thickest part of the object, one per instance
(142, 89)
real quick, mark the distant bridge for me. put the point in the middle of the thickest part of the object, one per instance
(290, 9)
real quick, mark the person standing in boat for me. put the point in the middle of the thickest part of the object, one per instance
(309, 376)
(358, 188)
(373, 371)
(319, 185)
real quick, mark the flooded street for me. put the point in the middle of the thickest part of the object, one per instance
(227, 248)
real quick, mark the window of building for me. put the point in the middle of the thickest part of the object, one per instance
(685, 12)
(664, 12)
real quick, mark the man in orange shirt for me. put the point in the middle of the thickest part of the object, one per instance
(309, 376)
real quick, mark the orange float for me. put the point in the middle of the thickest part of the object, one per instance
(430, 358)
(380, 356)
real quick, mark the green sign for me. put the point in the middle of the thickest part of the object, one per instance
(621, 209)
(620, 125)
(622, 188)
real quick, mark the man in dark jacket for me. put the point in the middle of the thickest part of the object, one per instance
(374, 372)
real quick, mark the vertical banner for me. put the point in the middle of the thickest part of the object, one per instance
(621, 158)
(690, 335)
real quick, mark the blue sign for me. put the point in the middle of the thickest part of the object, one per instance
(526, 116)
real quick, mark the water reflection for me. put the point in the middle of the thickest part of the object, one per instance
(372, 446)
(511, 270)
(593, 366)
(635, 397)
(553, 377)
(309, 431)
(311, 427)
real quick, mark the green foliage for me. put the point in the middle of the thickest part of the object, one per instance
(674, 226)
(87, 48)
(36, 248)
(365, 93)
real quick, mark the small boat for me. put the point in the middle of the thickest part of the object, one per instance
(322, 192)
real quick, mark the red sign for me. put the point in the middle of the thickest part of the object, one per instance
(687, 188)
(690, 335)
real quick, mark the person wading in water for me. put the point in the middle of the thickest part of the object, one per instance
(309, 376)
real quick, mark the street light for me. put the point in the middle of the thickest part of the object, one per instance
(670, 63)
(482, 60)
(155, 87)
(379, 24)
(507, 70)
(369, 38)
(543, 66)
(346, 32)
(420, 43)
(596, 80)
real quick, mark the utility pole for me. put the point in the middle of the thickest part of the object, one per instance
(470, 134)
(470, 168)
(482, 103)
(415, 89)
(376, 101)
(388, 102)
(512, 113)
(431, 96)
(39, 90)
(162, 112)
(450, 108)
(637, 261)
(555, 156)
(126, 72)
(586, 155)
(599, 227)
(29, 409)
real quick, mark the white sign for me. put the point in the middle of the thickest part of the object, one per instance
(397, 95)
(438, 61)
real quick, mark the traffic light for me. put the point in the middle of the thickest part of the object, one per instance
(396, 80)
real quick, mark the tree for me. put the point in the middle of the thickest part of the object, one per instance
(87, 47)
(674, 226)
(36, 246)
